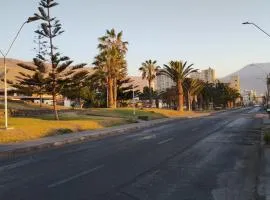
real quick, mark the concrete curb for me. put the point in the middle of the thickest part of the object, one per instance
(263, 180)
(10, 150)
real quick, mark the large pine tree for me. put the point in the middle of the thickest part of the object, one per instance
(60, 68)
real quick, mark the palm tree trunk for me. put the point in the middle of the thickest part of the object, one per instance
(110, 92)
(180, 96)
(150, 93)
(201, 102)
(114, 93)
(188, 101)
(191, 103)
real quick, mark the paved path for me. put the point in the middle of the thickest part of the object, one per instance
(208, 158)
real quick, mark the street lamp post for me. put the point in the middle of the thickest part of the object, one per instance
(267, 77)
(255, 25)
(30, 19)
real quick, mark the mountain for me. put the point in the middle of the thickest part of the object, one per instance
(252, 77)
(14, 70)
(141, 83)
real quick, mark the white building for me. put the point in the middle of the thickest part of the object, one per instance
(249, 97)
(164, 82)
(207, 75)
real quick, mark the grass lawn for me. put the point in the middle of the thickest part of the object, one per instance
(30, 128)
(124, 113)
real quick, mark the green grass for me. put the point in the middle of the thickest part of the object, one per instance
(123, 113)
(20, 105)
(266, 137)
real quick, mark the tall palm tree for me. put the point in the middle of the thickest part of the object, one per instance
(178, 72)
(149, 71)
(112, 61)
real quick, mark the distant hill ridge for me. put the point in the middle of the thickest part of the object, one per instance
(253, 77)
(14, 70)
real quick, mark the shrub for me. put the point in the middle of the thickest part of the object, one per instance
(266, 138)
(146, 118)
(60, 131)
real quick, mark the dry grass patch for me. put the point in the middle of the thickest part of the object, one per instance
(170, 113)
(25, 129)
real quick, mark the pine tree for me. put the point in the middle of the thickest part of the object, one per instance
(60, 66)
(33, 82)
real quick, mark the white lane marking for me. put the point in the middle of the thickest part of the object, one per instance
(194, 129)
(165, 141)
(254, 110)
(15, 165)
(147, 137)
(75, 176)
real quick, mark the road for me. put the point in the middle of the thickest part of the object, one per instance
(207, 158)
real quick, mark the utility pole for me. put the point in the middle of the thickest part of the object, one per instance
(30, 19)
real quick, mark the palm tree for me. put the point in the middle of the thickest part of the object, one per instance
(149, 71)
(193, 87)
(111, 60)
(178, 72)
(207, 95)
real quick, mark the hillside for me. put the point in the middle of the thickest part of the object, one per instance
(13, 69)
(253, 77)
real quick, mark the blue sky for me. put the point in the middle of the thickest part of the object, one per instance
(207, 33)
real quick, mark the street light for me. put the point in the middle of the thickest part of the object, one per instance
(267, 77)
(30, 19)
(251, 23)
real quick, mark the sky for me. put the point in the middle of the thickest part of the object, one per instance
(207, 33)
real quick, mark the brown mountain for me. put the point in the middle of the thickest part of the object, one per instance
(14, 70)
(253, 77)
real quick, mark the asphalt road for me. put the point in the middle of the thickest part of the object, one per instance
(214, 157)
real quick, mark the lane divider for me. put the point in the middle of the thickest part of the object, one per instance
(75, 176)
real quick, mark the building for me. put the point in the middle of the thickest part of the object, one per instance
(249, 97)
(141, 83)
(207, 75)
(164, 82)
(234, 82)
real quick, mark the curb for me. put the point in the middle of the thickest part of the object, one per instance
(61, 140)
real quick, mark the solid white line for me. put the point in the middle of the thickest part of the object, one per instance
(165, 141)
(75, 176)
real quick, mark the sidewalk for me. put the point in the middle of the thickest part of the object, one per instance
(60, 140)
(263, 187)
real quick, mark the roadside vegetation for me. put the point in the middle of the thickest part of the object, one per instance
(29, 128)
(102, 96)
